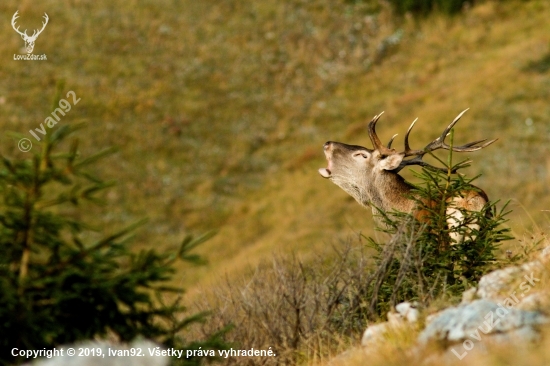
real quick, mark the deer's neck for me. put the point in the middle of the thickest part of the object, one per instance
(389, 192)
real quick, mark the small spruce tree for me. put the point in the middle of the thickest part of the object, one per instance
(421, 261)
(55, 288)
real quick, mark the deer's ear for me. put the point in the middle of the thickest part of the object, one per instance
(390, 162)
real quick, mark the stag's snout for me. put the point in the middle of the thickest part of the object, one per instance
(342, 157)
(326, 172)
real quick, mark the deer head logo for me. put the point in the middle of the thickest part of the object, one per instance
(29, 40)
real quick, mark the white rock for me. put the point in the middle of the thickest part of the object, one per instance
(495, 284)
(406, 312)
(498, 285)
(545, 254)
(374, 333)
(482, 318)
(469, 295)
(533, 302)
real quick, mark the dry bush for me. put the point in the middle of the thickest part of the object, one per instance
(288, 304)
(309, 310)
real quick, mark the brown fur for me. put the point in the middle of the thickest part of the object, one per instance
(367, 176)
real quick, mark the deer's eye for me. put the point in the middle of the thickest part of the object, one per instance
(364, 155)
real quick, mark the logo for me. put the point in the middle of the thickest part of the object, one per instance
(29, 40)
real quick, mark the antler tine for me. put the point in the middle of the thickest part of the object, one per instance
(391, 141)
(407, 147)
(13, 19)
(372, 123)
(377, 144)
(372, 131)
(470, 146)
(451, 125)
(408, 151)
(439, 143)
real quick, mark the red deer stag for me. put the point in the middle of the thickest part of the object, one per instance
(371, 175)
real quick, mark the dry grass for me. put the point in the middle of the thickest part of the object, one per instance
(217, 108)
(479, 60)
(208, 102)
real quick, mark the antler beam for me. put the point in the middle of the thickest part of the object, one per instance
(439, 143)
(385, 151)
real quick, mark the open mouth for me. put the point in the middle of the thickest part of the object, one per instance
(325, 172)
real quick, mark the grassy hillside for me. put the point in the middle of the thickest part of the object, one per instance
(220, 109)
(493, 59)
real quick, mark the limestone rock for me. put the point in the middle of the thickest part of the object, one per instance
(408, 311)
(469, 295)
(501, 284)
(405, 312)
(481, 317)
(374, 333)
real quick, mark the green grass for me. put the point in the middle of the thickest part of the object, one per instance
(220, 109)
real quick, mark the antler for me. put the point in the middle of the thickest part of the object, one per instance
(438, 143)
(13, 19)
(385, 151)
(37, 32)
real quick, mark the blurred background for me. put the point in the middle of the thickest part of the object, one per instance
(220, 109)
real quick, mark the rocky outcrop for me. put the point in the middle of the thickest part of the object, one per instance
(507, 306)
(479, 319)
(500, 284)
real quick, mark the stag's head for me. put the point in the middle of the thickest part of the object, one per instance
(355, 168)
(29, 40)
(368, 174)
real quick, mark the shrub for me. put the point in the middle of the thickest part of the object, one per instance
(292, 307)
(54, 287)
(422, 261)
